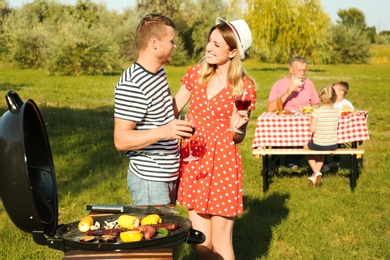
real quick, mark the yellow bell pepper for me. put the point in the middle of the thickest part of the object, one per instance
(131, 236)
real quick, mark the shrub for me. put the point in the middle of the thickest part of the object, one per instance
(79, 50)
(350, 45)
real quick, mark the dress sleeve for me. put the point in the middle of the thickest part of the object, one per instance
(191, 77)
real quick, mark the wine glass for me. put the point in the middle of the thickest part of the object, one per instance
(242, 103)
(190, 119)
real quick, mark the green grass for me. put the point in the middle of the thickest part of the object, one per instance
(291, 221)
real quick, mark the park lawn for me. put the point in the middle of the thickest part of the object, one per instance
(291, 221)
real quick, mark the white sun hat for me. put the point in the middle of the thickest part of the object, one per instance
(242, 32)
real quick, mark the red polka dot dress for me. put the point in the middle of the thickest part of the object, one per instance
(213, 184)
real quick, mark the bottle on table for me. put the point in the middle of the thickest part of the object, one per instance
(279, 106)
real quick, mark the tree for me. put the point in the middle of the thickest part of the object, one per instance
(203, 16)
(353, 17)
(285, 28)
(62, 39)
(350, 44)
(4, 12)
(383, 37)
(26, 35)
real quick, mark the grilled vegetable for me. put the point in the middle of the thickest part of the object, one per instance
(85, 223)
(151, 219)
(163, 231)
(131, 236)
(127, 221)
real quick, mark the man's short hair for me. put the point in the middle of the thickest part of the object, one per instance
(152, 25)
(297, 58)
(344, 86)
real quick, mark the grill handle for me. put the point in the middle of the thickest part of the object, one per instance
(54, 243)
(14, 102)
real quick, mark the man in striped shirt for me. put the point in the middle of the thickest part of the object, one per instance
(145, 127)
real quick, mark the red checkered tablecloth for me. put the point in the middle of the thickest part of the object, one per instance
(275, 130)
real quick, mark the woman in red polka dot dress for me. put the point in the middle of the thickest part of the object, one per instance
(211, 187)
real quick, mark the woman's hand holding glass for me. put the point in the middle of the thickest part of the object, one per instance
(242, 105)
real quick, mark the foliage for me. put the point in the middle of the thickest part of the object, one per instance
(354, 17)
(350, 44)
(166, 7)
(86, 38)
(193, 23)
(79, 51)
(179, 54)
(123, 34)
(383, 37)
(4, 12)
(283, 29)
(384, 33)
(27, 35)
(62, 39)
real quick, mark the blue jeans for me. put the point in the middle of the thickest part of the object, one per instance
(144, 192)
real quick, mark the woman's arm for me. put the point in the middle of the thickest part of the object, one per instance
(181, 99)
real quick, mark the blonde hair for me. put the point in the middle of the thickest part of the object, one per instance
(327, 95)
(236, 73)
(344, 86)
(152, 25)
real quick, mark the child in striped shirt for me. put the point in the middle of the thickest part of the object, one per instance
(323, 125)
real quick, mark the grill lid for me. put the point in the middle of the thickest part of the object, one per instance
(27, 177)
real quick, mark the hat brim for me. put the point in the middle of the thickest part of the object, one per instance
(240, 47)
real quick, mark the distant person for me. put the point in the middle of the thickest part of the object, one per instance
(211, 187)
(342, 89)
(145, 127)
(323, 125)
(295, 91)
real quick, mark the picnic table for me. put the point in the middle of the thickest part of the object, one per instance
(279, 131)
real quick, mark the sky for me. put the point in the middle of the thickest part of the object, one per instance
(375, 11)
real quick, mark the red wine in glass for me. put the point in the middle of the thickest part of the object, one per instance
(193, 130)
(242, 104)
(190, 157)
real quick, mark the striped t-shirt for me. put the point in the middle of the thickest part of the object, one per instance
(327, 124)
(145, 98)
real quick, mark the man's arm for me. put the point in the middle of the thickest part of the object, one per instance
(272, 104)
(126, 138)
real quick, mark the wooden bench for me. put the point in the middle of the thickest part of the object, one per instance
(354, 154)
